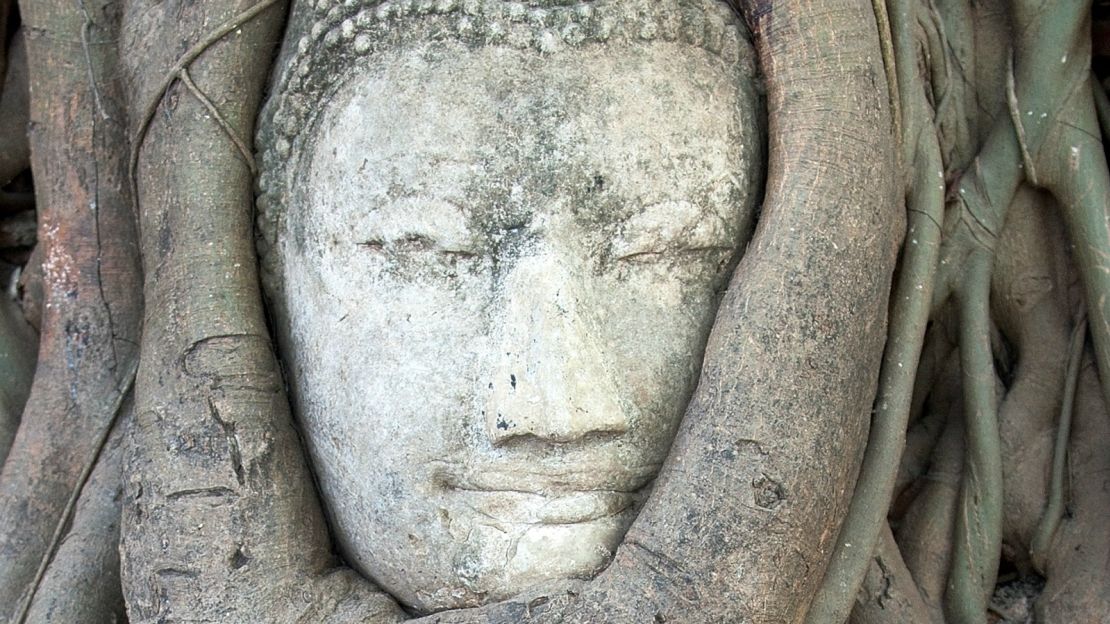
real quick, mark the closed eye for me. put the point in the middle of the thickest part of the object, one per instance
(654, 255)
(462, 254)
(374, 245)
(414, 243)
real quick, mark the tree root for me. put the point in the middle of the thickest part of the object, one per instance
(90, 316)
(1033, 306)
(179, 71)
(64, 520)
(1076, 566)
(1054, 510)
(215, 463)
(889, 593)
(909, 317)
(978, 528)
(82, 582)
(925, 534)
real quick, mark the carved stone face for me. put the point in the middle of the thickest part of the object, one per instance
(500, 271)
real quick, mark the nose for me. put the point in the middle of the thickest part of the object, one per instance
(550, 380)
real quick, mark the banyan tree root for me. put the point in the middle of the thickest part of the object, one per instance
(236, 499)
(90, 318)
(1033, 299)
(889, 592)
(925, 530)
(1077, 571)
(80, 582)
(220, 519)
(1048, 137)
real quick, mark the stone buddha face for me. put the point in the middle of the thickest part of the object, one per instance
(499, 269)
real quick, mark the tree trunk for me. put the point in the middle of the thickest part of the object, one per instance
(875, 437)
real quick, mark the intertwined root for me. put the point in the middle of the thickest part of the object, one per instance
(1009, 256)
(990, 442)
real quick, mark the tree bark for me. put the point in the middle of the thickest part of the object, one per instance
(82, 583)
(220, 517)
(91, 313)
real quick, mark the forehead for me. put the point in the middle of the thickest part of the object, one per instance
(443, 117)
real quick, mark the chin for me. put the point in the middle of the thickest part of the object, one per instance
(500, 560)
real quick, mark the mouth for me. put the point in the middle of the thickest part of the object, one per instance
(533, 509)
(531, 497)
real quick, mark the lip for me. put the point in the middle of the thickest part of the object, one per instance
(509, 507)
(511, 478)
(508, 494)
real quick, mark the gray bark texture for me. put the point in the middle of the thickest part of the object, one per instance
(937, 189)
(90, 276)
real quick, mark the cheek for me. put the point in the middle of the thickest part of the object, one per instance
(656, 328)
(388, 359)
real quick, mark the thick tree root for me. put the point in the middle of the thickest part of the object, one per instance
(909, 316)
(925, 534)
(91, 273)
(221, 521)
(1032, 303)
(1077, 569)
(82, 582)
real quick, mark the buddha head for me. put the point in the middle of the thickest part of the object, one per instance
(494, 236)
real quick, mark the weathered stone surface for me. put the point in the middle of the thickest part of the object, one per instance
(494, 270)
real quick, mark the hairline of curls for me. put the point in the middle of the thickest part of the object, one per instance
(344, 31)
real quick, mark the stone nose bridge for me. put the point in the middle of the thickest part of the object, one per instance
(549, 380)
